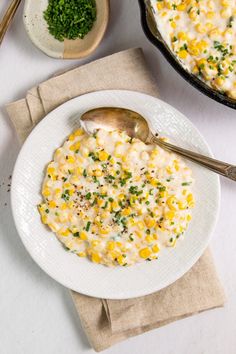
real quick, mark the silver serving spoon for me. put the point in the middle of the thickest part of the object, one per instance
(135, 125)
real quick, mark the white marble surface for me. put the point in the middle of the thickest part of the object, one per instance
(37, 315)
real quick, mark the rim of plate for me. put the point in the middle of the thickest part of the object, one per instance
(123, 294)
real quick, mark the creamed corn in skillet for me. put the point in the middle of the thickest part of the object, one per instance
(202, 33)
(114, 199)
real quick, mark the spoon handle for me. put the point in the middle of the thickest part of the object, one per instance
(5, 23)
(217, 166)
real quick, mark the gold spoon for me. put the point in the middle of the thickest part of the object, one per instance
(6, 21)
(135, 125)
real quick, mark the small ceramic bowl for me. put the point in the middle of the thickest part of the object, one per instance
(37, 30)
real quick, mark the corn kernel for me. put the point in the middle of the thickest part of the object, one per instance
(150, 222)
(188, 217)
(169, 170)
(71, 137)
(63, 206)
(52, 204)
(140, 225)
(71, 191)
(103, 155)
(176, 165)
(181, 7)
(182, 205)
(144, 253)
(209, 26)
(155, 249)
(64, 233)
(192, 14)
(210, 14)
(46, 192)
(95, 257)
(225, 13)
(81, 254)
(171, 202)
(153, 182)
(155, 236)
(163, 194)
(120, 260)
(211, 4)
(100, 202)
(110, 245)
(44, 219)
(193, 49)
(138, 233)
(189, 197)
(71, 159)
(57, 192)
(160, 5)
(126, 211)
(70, 204)
(78, 132)
(195, 70)
(117, 155)
(182, 36)
(104, 230)
(97, 173)
(178, 230)
(115, 206)
(214, 33)
(200, 28)
(94, 243)
(225, 3)
(228, 32)
(83, 235)
(50, 170)
(170, 215)
(149, 238)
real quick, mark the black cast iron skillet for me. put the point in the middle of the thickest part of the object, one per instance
(152, 33)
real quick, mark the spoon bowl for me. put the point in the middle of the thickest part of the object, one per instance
(110, 118)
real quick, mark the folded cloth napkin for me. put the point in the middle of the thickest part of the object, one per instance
(109, 321)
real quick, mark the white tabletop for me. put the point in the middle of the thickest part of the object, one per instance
(37, 314)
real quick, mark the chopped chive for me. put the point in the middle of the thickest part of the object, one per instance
(105, 206)
(186, 183)
(88, 196)
(76, 234)
(88, 226)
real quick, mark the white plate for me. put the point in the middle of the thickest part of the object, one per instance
(80, 274)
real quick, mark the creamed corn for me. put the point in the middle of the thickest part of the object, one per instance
(114, 210)
(202, 34)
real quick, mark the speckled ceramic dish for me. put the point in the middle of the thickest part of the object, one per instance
(37, 30)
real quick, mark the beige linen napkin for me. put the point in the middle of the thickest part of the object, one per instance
(109, 321)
